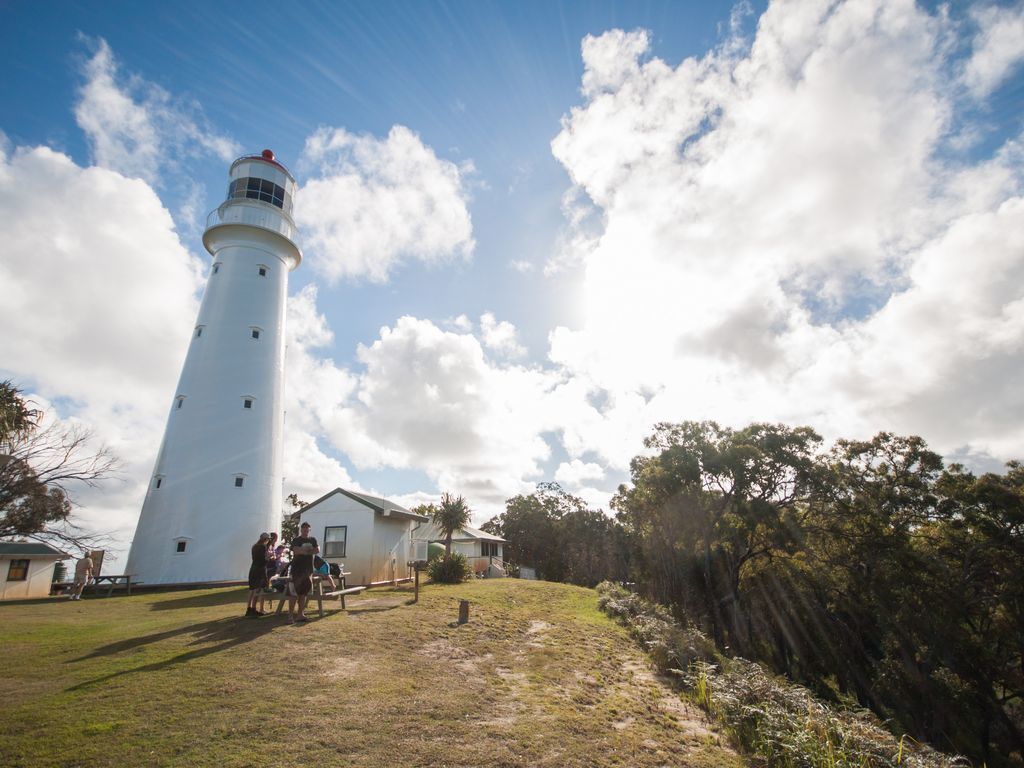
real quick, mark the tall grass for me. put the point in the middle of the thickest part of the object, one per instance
(766, 715)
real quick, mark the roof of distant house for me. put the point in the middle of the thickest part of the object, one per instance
(29, 548)
(466, 533)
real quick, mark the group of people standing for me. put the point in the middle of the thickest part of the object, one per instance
(268, 561)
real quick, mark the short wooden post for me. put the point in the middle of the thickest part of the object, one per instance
(463, 611)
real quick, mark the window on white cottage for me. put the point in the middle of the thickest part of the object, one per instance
(18, 570)
(335, 538)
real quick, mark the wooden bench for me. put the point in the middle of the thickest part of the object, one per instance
(339, 594)
(319, 595)
(113, 580)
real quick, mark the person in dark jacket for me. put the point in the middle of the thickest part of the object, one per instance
(304, 547)
(257, 575)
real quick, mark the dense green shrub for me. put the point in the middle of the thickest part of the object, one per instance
(449, 570)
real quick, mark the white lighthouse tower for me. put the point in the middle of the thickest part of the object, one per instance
(217, 482)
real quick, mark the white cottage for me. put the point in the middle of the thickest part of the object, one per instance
(373, 537)
(26, 569)
(484, 551)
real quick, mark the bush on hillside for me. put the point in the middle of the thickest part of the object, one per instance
(452, 570)
(670, 644)
(767, 715)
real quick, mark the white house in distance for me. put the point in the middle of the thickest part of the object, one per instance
(484, 551)
(26, 569)
(375, 538)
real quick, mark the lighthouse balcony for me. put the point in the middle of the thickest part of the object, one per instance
(253, 213)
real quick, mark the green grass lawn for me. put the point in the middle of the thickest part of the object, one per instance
(538, 677)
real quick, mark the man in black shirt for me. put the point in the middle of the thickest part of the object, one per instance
(304, 547)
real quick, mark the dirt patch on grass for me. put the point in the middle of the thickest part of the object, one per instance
(341, 667)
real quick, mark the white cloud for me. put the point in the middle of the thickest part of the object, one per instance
(784, 238)
(574, 473)
(580, 237)
(500, 336)
(137, 128)
(316, 391)
(430, 399)
(103, 296)
(372, 203)
(462, 323)
(998, 47)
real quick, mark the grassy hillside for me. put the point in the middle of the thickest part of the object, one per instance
(538, 677)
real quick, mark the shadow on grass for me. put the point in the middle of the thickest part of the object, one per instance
(217, 635)
(205, 600)
(16, 603)
(376, 608)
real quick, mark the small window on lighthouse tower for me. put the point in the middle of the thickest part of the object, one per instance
(179, 546)
(247, 402)
(216, 268)
(199, 331)
(255, 332)
(263, 271)
(239, 481)
(178, 402)
(159, 481)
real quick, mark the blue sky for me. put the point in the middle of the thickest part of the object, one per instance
(532, 230)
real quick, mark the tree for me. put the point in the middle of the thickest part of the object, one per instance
(556, 533)
(451, 515)
(290, 523)
(38, 467)
(732, 497)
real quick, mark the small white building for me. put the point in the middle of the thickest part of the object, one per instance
(373, 537)
(484, 551)
(26, 569)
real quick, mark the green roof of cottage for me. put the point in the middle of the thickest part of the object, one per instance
(29, 548)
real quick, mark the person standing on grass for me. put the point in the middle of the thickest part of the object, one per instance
(257, 575)
(83, 573)
(304, 547)
(271, 567)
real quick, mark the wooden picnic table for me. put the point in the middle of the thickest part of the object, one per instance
(318, 592)
(113, 579)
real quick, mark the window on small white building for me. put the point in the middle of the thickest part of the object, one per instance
(18, 570)
(335, 537)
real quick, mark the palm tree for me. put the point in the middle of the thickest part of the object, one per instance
(449, 516)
